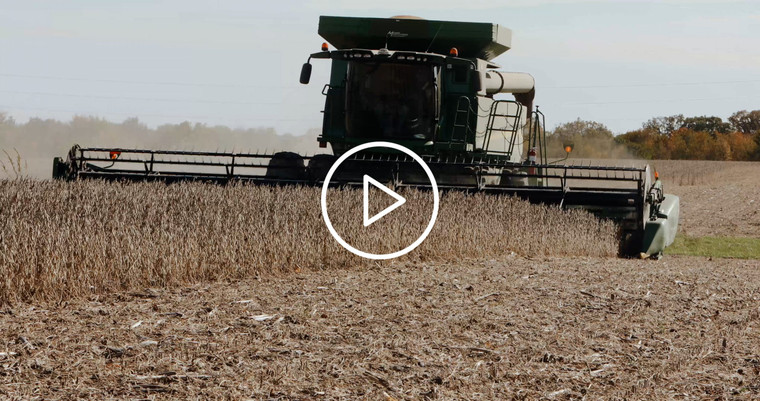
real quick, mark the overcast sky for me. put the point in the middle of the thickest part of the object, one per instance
(237, 62)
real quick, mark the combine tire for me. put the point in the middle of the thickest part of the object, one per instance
(630, 243)
(286, 166)
(319, 165)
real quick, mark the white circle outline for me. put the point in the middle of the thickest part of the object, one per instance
(326, 184)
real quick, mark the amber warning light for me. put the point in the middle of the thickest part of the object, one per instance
(454, 52)
(324, 47)
(114, 155)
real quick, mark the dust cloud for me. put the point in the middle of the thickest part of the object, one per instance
(27, 149)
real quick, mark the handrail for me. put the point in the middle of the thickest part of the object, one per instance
(492, 115)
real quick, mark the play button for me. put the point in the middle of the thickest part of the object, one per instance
(400, 200)
(368, 182)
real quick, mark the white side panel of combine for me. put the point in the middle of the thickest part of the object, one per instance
(501, 138)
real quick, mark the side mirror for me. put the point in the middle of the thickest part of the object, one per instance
(475, 79)
(305, 73)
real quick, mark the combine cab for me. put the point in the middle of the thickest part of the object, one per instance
(429, 86)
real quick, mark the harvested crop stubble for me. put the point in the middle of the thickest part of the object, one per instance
(60, 240)
(701, 172)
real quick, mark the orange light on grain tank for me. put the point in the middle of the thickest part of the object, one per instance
(568, 148)
(656, 175)
(114, 155)
(324, 47)
(454, 52)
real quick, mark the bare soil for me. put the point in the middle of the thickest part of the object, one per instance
(723, 202)
(680, 328)
(718, 198)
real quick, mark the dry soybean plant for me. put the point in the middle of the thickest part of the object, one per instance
(16, 167)
(60, 240)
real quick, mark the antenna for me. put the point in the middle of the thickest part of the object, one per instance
(434, 36)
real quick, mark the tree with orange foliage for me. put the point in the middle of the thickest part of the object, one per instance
(706, 138)
(743, 147)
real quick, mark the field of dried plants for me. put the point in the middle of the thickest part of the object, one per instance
(114, 291)
(61, 240)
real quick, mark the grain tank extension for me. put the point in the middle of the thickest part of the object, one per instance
(433, 87)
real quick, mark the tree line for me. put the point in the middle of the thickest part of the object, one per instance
(672, 137)
(36, 141)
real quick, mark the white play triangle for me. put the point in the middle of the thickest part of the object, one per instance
(400, 200)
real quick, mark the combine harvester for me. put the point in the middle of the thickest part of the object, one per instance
(429, 86)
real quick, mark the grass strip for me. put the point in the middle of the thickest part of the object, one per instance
(717, 247)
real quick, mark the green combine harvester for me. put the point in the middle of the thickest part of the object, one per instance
(429, 86)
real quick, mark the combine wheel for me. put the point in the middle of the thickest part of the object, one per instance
(66, 170)
(630, 243)
(286, 166)
(319, 165)
(60, 169)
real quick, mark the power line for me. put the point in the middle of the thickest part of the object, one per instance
(650, 85)
(132, 98)
(273, 103)
(128, 82)
(222, 85)
(660, 100)
(75, 112)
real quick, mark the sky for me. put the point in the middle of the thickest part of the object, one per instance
(237, 63)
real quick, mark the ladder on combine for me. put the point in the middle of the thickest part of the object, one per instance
(460, 130)
(503, 119)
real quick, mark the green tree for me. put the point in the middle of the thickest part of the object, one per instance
(582, 128)
(668, 125)
(713, 125)
(664, 125)
(746, 122)
(644, 143)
